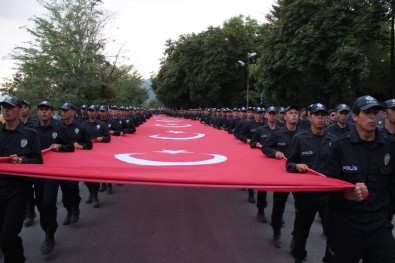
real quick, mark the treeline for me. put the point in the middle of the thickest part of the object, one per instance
(65, 59)
(308, 51)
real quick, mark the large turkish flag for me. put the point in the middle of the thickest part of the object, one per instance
(172, 151)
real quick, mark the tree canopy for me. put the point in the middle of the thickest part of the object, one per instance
(201, 70)
(64, 60)
(308, 51)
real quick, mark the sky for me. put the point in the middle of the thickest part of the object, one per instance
(140, 26)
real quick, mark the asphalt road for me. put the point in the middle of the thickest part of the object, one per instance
(169, 224)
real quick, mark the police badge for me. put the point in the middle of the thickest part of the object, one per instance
(387, 159)
(23, 143)
(54, 135)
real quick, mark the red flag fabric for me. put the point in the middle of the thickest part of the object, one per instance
(177, 152)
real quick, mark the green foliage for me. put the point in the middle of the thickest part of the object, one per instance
(328, 51)
(64, 60)
(201, 70)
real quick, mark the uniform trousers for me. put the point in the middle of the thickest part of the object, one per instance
(279, 201)
(261, 201)
(13, 199)
(307, 205)
(349, 241)
(93, 188)
(31, 202)
(46, 191)
(70, 194)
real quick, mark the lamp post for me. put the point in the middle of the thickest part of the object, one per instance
(245, 64)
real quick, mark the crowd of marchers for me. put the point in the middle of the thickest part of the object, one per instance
(22, 140)
(355, 144)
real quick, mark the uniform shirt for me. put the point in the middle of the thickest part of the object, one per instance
(260, 135)
(304, 124)
(309, 149)
(373, 163)
(238, 126)
(279, 140)
(248, 130)
(130, 126)
(78, 134)
(54, 133)
(232, 125)
(22, 141)
(97, 129)
(115, 125)
(336, 131)
(387, 132)
(30, 123)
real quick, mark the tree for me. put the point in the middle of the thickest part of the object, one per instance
(201, 70)
(64, 61)
(322, 50)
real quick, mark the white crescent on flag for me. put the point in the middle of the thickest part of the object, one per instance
(197, 136)
(128, 158)
(173, 125)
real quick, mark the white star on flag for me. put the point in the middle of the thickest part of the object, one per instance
(173, 152)
(176, 132)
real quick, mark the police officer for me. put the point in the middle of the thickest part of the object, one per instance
(358, 227)
(239, 122)
(340, 126)
(281, 117)
(304, 118)
(25, 115)
(389, 130)
(389, 117)
(230, 122)
(246, 133)
(277, 145)
(84, 113)
(80, 137)
(261, 133)
(129, 121)
(308, 150)
(97, 131)
(21, 145)
(26, 119)
(53, 137)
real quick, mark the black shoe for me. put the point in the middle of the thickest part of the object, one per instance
(276, 242)
(298, 260)
(261, 217)
(48, 245)
(28, 221)
(29, 218)
(291, 247)
(109, 190)
(75, 215)
(89, 200)
(251, 198)
(95, 202)
(67, 219)
(103, 188)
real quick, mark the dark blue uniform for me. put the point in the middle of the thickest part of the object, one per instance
(336, 131)
(361, 230)
(14, 189)
(311, 150)
(70, 189)
(278, 140)
(46, 190)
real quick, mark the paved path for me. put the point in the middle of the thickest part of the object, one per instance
(169, 224)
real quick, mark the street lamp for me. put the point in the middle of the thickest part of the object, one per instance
(245, 64)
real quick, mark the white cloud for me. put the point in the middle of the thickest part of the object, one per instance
(143, 25)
